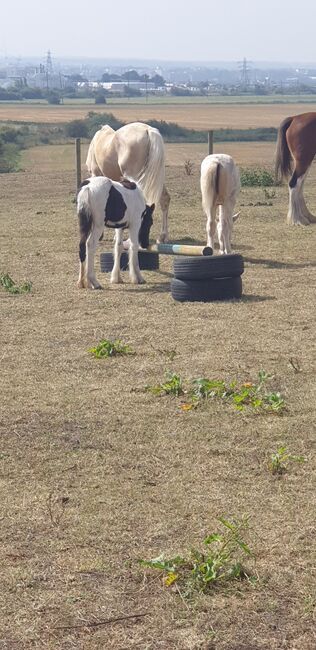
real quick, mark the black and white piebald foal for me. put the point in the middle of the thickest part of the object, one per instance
(103, 202)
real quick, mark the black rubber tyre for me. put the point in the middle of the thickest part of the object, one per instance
(203, 268)
(147, 261)
(206, 290)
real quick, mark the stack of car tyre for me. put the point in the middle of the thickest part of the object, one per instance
(148, 261)
(205, 279)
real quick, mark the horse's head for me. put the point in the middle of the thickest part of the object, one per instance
(146, 224)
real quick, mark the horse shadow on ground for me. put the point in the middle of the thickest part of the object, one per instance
(150, 287)
(276, 264)
(241, 247)
(167, 274)
(164, 287)
(255, 298)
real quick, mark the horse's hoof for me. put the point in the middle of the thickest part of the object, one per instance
(300, 221)
(92, 284)
(162, 239)
(138, 281)
(116, 281)
(303, 222)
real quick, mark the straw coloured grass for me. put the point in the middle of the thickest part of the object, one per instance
(97, 473)
(196, 114)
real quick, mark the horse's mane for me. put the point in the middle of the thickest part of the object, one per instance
(130, 185)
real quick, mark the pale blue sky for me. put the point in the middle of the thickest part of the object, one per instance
(195, 30)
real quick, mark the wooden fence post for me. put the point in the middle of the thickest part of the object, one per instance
(210, 142)
(78, 162)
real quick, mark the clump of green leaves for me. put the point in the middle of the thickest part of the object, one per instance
(257, 396)
(108, 348)
(219, 562)
(210, 388)
(172, 385)
(280, 458)
(256, 176)
(11, 287)
(248, 394)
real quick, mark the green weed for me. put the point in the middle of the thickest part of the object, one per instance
(220, 561)
(9, 285)
(247, 394)
(254, 177)
(209, 388)
(172, 386)
(280, 458)
(108, 348)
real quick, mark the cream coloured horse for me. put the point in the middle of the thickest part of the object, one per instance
(220, 186)
(135, 151)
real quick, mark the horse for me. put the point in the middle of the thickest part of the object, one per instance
(103, 202)
(135, 151)
(220, 186)
(296, 140)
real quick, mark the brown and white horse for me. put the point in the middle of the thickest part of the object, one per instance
(296, 142)
(135, 151)
(103, 202)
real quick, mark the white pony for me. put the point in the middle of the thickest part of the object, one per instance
(102, 202)
(135, 151)
(220, 186)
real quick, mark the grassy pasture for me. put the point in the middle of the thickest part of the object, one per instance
(62, 157)
(198, 115)
(168, 99)
(95, 473)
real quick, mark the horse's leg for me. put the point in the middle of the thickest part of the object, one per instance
(92, 242)
(82, 263)
(134, 270)
(224, 229)
(311, 217)
(302, 151)
(211, 227)
(116, 277)
(164, 205)
(295, 215)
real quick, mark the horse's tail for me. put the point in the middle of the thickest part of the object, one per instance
(283, 158)
(91, 162)
(213, 184)
(84, 219)
(152, 177)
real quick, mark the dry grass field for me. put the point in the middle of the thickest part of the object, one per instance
(96, 473)
(62, 157)
(196, 116)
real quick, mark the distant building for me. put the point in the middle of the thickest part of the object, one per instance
(120, 86)
(12, 82)
(44, 80)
